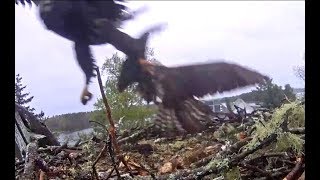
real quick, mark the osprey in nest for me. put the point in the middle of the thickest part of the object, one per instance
(86, 23)
(173, 88)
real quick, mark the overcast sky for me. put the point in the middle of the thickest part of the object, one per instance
(268, 36)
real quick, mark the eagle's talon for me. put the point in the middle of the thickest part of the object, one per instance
(85, 96)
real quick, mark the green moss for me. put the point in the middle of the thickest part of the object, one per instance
(233, 174)
(226, 132)
(218, 163)
(294, 114)
(177, 145)
(287, 141)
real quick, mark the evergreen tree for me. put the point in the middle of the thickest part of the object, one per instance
(300, 71)
(23, 98)
(128, 105)
(288, 91)
(271, 95)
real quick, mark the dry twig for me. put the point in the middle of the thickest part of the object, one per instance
(111, 130)
(296, 171)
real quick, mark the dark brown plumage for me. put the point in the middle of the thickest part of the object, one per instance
(175, 84)
(193, 116)
(86, 23)
(175, 87)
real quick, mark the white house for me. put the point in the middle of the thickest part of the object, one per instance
(222, 107)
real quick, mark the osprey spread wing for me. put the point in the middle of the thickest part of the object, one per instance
(175, 84)
(174, 88)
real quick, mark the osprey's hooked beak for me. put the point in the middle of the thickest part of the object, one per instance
(147, 66)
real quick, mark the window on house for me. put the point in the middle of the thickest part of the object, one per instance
(217, 108)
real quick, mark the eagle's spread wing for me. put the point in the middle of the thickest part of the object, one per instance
(23, 2)
(180, 83)
(89, 23)
(113, 10)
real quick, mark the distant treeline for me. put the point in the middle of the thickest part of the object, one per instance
(298, 90)
(69, 122)
(77, 121)
(251, 97)
(248, 97)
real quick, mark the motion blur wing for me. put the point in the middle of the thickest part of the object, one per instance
(180, 83)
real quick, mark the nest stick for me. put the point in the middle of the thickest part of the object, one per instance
(112, 128)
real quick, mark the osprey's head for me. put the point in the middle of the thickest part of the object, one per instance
(134, 71)
(131, 69)
(129, 74)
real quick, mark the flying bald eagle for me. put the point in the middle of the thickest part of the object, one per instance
(174, 88)
(86, 23)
